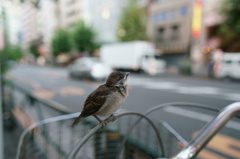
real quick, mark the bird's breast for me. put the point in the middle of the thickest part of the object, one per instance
(112, 103)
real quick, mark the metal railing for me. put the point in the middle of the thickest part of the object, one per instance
(195, 145)
(36, 143)
(43, 142)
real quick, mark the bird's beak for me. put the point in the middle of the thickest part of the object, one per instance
(126, 74)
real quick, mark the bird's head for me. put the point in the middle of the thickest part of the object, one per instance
(117, 78)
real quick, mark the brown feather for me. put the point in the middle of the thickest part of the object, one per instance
(77, 121)
(96, 99)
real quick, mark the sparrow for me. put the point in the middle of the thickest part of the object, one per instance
(106, 99)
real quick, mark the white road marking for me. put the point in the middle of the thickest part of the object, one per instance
(233, 96)
(199, 116)
(210, 92)
(162, 85)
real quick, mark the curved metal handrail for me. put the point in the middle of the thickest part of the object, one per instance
(181, 104)
(45, 121)
(208, 132)
(97, 127)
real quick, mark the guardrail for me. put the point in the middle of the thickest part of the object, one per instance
(50, 103)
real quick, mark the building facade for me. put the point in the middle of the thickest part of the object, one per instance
(48, 23)
(11, 23)
(29, 27)
(169, 27)
(181, 29)
(70, 12)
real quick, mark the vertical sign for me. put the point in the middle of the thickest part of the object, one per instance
(197, 19)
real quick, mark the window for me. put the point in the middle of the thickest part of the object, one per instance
(160, 34)
(228, 62)
(71, 13)
(159, 57)
(183, 11)
(175, 32)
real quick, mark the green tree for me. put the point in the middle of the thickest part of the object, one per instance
(132, 24)
(84, 37)
(230, 29)
(61, 42)
(9, 53)
(33, 49)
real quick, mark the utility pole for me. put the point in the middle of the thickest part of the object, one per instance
(1, 117)
(4, 28)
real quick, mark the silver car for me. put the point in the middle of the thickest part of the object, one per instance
(90, 68)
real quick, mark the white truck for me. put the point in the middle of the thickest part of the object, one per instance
(136, 56)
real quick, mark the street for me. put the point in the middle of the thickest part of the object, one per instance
(146, 92)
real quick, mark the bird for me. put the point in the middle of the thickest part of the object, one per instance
(106, 99)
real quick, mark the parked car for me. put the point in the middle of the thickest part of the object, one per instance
(90, 68)
(229, 67)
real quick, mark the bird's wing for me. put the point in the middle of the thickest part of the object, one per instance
(96, 99)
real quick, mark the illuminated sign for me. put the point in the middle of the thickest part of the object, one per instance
(197, 19)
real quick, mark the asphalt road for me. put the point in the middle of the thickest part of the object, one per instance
(144, 93)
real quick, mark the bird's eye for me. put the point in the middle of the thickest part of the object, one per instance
(121, 76)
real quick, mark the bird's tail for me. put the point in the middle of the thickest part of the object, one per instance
(76, 121)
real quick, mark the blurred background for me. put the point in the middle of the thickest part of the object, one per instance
(177, 50)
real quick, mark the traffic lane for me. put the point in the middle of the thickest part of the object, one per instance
(60, 88)
(44, 76)
(191, 80)
(141, 100)
(64, 90)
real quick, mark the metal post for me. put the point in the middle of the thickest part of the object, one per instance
(1, 94)
(112, 142)
(3, 16)
(98, 144)
(1, 121)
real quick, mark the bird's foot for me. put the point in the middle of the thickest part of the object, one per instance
(114, 118)
(104, 123)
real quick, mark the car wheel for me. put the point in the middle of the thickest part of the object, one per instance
(227, 79)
